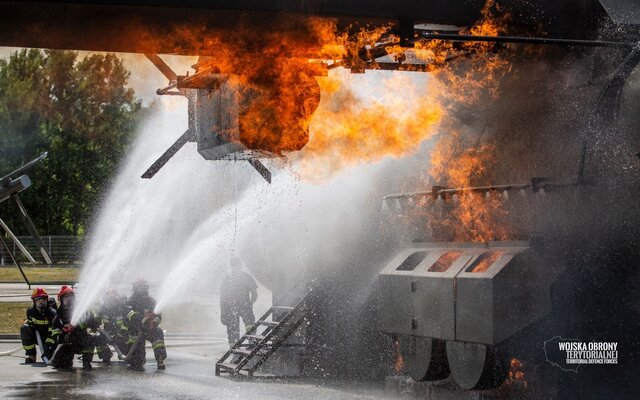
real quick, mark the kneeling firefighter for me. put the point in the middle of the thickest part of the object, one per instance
(143, 325)
(112, 315)
(38, 323)
(72, 339)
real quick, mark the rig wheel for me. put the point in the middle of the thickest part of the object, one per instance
(425, 358)
(476, 366)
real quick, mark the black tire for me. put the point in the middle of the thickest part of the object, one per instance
(476, 366)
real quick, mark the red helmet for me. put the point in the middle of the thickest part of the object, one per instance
(64, 290)
(39, 293)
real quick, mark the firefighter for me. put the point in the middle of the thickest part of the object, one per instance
(238, 293)
(39, 319)
(72, 339)
(112, 315)
(143, 324)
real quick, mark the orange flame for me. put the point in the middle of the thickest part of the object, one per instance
(516, 375)
(347, 131)
(278, 88)
(458, 160)
(398, 365)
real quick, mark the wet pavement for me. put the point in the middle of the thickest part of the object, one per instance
(189, 375)
(11, 292)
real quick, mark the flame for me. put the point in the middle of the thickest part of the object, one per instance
(476, 217)
(398, 365)
(348, 131)
(445, 261)
(458, 160)
(265, 71)
(288, 102)
(516, 375)
(486, 260)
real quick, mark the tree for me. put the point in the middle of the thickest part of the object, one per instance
(80, 111)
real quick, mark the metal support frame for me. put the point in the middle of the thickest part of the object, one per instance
(15, 261)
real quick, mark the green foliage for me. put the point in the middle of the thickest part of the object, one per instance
(80, 111)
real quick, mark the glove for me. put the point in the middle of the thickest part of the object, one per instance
(151, 319)
(68, 328)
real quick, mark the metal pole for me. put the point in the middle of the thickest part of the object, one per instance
(525, 40)
(15, 261)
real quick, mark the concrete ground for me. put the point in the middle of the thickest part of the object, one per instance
(189, 375)
(195, 340)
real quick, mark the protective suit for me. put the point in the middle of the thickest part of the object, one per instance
(237, 295)
(39, 319)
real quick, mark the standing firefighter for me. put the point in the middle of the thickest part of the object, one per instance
(72, 339)
(143, 324)
(238, 293)
(112, 315)
(38, 322)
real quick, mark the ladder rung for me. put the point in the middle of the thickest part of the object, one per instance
(268, 323)
(257, 337)
(228, 366)
(243, 351)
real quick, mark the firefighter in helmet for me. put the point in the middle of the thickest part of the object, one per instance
(238, 293)
(38, 322)
(143, 325)
(112, 314)
(72, 339)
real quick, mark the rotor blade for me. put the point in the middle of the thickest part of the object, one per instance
(25, 167)
(13, 258)
(33, 231)
(166, 156)
(15, 239)
(162, 67)
(262, 170)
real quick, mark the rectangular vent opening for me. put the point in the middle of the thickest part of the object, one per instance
(445, 261)
(484, 261)
(412, 261)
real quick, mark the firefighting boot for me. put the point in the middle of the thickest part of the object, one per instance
(86, 362)
(106, 356)
(30, 359)
(161, 364)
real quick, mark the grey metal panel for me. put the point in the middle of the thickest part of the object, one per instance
(479, 307)
(397, 310)
(521, 294)
(216, 121)
(435, 298)
(474, 309)
(427, 311)
(396, 296)
(510, 295)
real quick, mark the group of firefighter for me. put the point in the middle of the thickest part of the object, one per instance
(121, 323)
(125, 324)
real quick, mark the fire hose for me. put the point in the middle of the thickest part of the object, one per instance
(41, 346)
(10, 352)
(111, 342)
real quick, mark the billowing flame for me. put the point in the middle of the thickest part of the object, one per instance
(347, 131)
(458, 161)
(279, 81)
